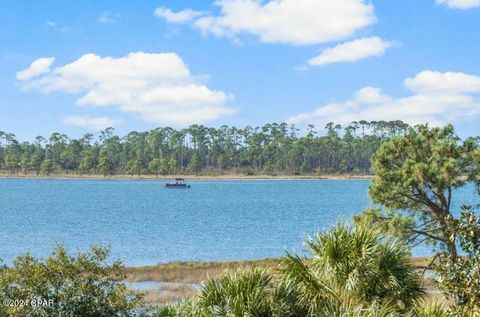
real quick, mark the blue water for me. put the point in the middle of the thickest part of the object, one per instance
(145, 223)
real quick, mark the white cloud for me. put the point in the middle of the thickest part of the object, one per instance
(91, 123)
(371, 95)
(108, 17)
(460, 4)
(38, 67)
(297, 22)
(352, 51)
(183, 16)
(157, 87)
(438, 98)
(432, 82)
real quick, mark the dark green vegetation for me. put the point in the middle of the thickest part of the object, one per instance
(460, 276)
(67, 285)
(419, 173)
(271, 149)
(415, 178)
(361, 270)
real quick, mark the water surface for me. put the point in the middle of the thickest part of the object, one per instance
(145, 223)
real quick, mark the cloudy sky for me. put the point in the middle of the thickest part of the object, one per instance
(77, 67)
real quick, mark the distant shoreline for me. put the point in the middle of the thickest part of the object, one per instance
(194, 177)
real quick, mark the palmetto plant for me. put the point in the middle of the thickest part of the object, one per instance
(346, 310)
(245, 293)
(353, 267)
(432, 309)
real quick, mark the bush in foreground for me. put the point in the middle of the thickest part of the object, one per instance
(68, 285)
(245, 293)
(353, 267)
(459, 277)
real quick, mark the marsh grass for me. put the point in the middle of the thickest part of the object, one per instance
(191, 272)
(180, 276)
(170, 293)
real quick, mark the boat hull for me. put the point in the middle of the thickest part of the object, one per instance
(177, 185)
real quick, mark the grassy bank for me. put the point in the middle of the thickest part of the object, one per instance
(191, 272)
(196, 272)
(178, 277)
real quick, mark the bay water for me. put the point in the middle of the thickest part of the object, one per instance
(145, 223)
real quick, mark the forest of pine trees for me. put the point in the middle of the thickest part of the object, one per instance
(273, 149)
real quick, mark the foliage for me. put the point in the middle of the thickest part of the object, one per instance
(347, 310)
(460, 277)
(159, 166)
(47, 167)
(354, 267)
(433, 309)
(273, 148)
(245, 293)
(388, 222)
(134, 167)
(418, 173)
(81, 285)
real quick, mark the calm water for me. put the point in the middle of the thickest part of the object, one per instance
(146, 224)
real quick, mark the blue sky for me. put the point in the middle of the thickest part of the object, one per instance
(137, 65)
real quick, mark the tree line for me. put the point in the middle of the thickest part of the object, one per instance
(276, 148)
(358, 269)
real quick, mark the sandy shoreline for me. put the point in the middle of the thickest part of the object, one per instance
(194, 177)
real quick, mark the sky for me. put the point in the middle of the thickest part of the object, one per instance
(81, 66)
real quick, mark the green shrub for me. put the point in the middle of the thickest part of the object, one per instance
(459, 277)
(68, 285)
(357, 266)
(245, 293)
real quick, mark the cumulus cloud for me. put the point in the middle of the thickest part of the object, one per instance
(460, 4)
(432, 82)
(157, 87)
(352, 51)
(91, 123)
(371, 95)
(438, 98)
(38, 67)
(297, 22)
(183, 16)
